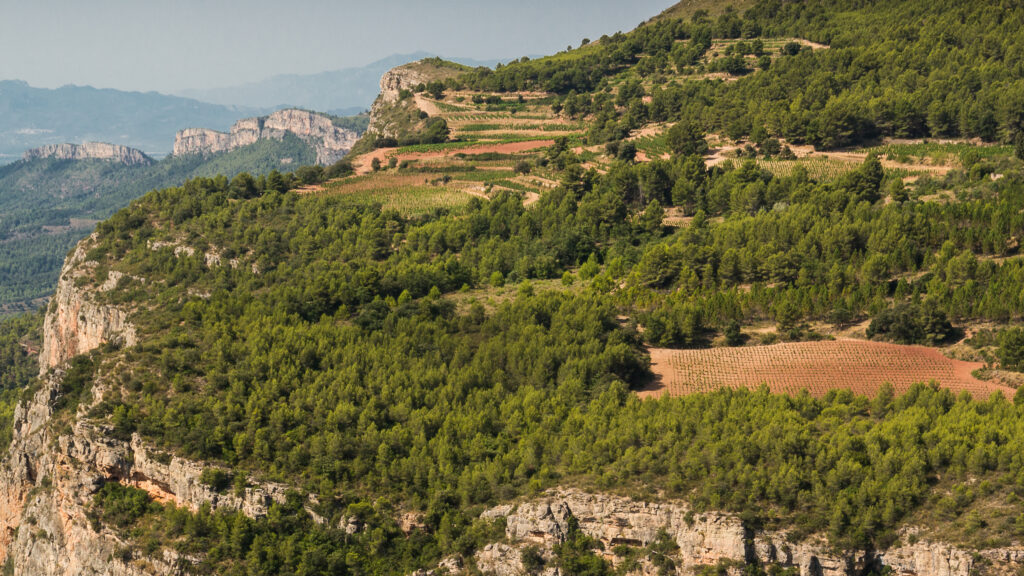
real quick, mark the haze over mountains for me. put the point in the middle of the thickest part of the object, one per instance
(32, 117)
(342, 92)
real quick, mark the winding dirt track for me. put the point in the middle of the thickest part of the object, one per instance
(857, 365)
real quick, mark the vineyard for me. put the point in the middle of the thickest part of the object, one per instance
(407, 200)
(939, 153)
(818, 367)
(821, 168)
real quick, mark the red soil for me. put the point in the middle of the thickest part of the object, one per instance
(818, 367)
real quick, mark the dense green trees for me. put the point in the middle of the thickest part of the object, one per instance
(19, 343)
(382, 363)
(46, 206)
(881, 75)
(332, 358)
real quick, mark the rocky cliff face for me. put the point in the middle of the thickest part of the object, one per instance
(405, 77)
(76, 323)
(709, 538)
(97, 150)
(331, 142)
(57, 461)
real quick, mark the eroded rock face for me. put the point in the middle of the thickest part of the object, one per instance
(331, 142)
(57, 462)
(77, 324)
(404, 77)
(708, 538)
(97, 150)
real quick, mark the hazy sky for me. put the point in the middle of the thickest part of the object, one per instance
(170, 45)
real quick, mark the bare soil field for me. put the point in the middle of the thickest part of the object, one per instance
(858, 365)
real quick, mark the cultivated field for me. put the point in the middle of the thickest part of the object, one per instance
(818, 367)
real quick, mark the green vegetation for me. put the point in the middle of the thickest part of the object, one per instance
(383, 350)
(355, 123)
(880, 76)
(19, 343)
(46, 206)
(323, 369)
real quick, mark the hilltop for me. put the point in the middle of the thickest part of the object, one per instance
(342, 92)
(55, 195)
(519, 331)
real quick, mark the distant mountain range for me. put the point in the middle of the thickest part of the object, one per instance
(33, 117)
(54, 196)
(341, 92)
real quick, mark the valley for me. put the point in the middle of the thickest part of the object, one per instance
(737, 292)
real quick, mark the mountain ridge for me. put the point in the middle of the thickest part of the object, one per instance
(334, 91)
(33, 117)
(462, 357)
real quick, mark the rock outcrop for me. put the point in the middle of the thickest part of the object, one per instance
(394, 81)
(76, 323)
(317, 130)
(405, 77)
(58, 460)
(88, 150)
(710, 538)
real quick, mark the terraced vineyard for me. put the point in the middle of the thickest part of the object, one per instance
(409, 200)
(820, 168)
(857, 365)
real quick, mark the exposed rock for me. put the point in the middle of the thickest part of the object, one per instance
(409, 521)
(501, 560)
(317, 130)
(51, 472)
(44, 495)
(78, 324)
(97, 150)
(930, 558)
(404, 77)
(708, 538)
(447, 567)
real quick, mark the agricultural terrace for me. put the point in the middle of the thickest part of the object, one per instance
(910, 160)
(495, 142)
(818, 367)
(419, 180)
(492, 134)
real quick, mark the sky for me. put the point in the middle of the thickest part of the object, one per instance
(173, 45)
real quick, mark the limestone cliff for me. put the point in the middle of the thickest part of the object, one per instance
(58, 460)
(317, 130)
(88, 150)
(76, 323)
(384, 120)
(709, 538)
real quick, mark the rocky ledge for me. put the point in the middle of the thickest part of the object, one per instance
(317, 130)
(90, 150)
(706, 539)
(76, 323)
(57, 461)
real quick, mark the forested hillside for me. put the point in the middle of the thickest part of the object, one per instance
(460, 323)
(900, 69)
(47, 205)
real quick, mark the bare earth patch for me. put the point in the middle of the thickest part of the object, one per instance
(858, 365)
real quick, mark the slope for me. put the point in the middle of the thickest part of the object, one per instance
(422, 367)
